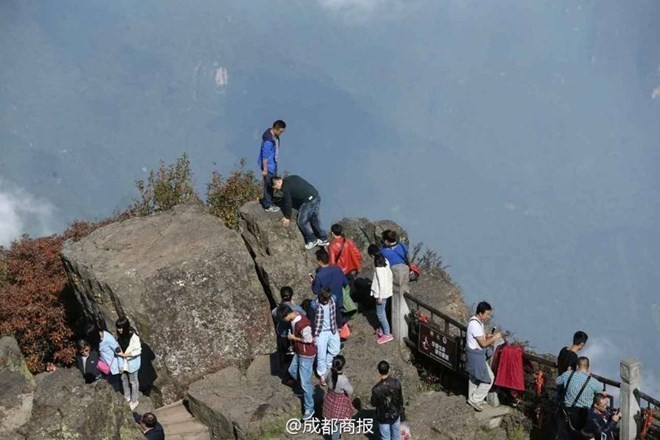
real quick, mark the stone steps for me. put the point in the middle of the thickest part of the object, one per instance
(179, 424)
(492, 416)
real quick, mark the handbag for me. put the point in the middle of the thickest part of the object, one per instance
(348, 303)
(103, 367)
(413, 269)
(345, 332)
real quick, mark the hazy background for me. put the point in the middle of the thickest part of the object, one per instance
(519, 139)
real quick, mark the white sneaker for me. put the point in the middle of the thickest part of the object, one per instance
(134, 405)
(312, 244)
(323, 242)
(272, 209)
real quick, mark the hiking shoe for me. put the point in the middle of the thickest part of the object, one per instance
(477, 407)
(290, 382)
(272, 209)
(385, 338)
(312, 244)
(308, 414)
(322, 242)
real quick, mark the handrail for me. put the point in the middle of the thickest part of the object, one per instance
(643, 396)
(530, 356)
(435, 311)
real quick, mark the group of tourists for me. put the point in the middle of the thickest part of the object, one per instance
(311, 334)
(582, 404)
(117, 359)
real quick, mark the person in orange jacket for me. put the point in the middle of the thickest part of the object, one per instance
(344, 253)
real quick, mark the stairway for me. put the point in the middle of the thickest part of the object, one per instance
(179, 424)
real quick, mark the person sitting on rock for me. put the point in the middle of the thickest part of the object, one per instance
(86, 360)
(387, 398)
(331, 277)
(151, 429)
(381, 290)
(344, 253)
(302, 363)
(337, 404)
(294, 192)
(284, 346)
(326, 333)
(131, 351)
(107, 346)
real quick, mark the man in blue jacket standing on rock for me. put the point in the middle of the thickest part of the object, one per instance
(268, 155)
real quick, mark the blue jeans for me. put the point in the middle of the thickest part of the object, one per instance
(334, 429)
(327, 347)
(267, 200)
(390, 431)
(308, 221)
(382, 316)
(301, 370)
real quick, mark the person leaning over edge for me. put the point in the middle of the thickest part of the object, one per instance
(481, 376)
(267, 161)
(294, 192)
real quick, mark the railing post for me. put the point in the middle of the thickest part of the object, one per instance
(631, 378)
(399, 311)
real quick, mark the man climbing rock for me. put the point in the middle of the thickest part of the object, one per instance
(295, 192)
(268, 155)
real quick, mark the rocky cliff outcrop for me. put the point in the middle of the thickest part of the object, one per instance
(188, 285)
(58, 405)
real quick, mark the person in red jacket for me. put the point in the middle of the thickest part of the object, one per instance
(344, 253)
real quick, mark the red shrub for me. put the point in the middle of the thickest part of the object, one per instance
(32, 279)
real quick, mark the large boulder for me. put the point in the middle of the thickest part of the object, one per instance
(278, 251)
(239, 406)
(66, 409)
(16, 389)
(15, 401)
(188, 285)
(11, 358)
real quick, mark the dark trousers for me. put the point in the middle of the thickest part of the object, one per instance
(267, 200)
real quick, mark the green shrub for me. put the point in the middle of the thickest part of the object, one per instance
(169, 186)
(225, 197)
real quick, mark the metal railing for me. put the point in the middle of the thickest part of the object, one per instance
(450, 327)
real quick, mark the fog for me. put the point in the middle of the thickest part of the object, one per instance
(518, 139)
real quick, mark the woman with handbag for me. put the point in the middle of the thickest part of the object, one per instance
(337, 405)
(131, 350)
(107, 346)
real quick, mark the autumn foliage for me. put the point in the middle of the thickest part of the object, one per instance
(32, 281)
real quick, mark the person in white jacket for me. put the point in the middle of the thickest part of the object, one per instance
(131, 351)
(381, 290)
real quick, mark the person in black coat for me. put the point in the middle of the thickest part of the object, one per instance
(86, 360)
(151, 429)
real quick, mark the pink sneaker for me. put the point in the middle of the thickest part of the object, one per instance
(385, 338)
